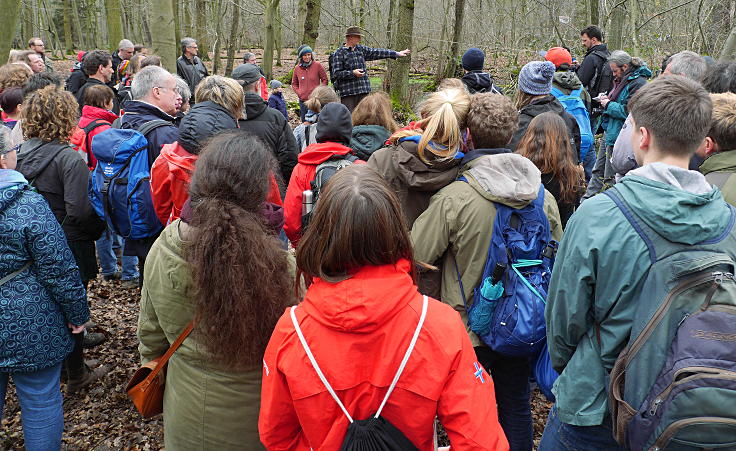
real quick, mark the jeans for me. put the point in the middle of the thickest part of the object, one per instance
(602, 176)
(302, 111)
(511, 382)
(588, 163)
(41, 409)
(559, 436)
(108, 259)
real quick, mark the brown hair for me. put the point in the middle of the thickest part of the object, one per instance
(547, 144)
(98, 96)
(375, 109)
(451, 83)
(14, 75)
(676, 111)
(321, 96)
(240, 272)
(492, 120)
(49, 113)
(150, 60)
(723, 125)
(523, 99)
(135, 64)
(357, 222)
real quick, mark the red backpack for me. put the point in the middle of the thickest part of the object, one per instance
(80, 139)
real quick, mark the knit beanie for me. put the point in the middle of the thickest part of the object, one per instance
(473, 59)
(334, 124)
(535, 77)
(304, 50)
(275, 84)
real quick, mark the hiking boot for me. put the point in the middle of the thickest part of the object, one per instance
(92, 339)
(76, 382)
(114, 276)
(130, 283)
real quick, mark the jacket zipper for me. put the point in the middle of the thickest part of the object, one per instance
(711, 373)
(672, 429)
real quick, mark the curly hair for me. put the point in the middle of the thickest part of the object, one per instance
(14, 75)
(491, 120)
(241, 276)
(49, 114)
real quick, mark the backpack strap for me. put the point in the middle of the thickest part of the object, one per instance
(306, 134)
(638, 226)
(150, 126)
(576, 92)
(327, 385)
(88, 129)
(557, 93)
(15, 273)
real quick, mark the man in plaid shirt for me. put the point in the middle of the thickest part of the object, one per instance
(348, 67)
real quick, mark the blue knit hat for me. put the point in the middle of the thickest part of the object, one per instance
(304, 50)
(473, 59)
(535, 77)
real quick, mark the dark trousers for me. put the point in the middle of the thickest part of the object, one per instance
(75, 360)
(511, 382)
(139, 248)
(559, 436)
(302, 111)
(352, 101)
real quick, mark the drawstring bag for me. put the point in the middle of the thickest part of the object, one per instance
(374, 433)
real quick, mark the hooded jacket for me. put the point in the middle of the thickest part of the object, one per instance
(358, 331)
(61, 176)
(367, 139)
(614, 116)
(89, 114)
(567, 82)
(597, 275)
(138, 113)
(541, 105)
(39, 301)
(722, 165)
(269, 125)
(592, 63)
(458, 224)
(478, 81)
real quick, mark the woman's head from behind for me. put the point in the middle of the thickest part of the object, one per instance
(223, 91)
(49, 114)
(240, 272)
(321, 96)
(357, 222)
(375, 109)
(99, 96)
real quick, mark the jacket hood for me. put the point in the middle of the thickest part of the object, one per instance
(203, 121)
(477, 81)
(679, 204)
(542, 105)
(365, 301)
(254, 105)
(421, 176)
(367, 139)
(320, 152)
(721, 161)
(11, 185)
(92, 113)
(641, 71)
(507, 178)
(34, 155)
(567, 80)
(179, 157)
(334, 124)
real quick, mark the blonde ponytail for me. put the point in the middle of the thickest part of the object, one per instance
(444, 118)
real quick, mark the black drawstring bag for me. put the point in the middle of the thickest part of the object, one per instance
(374, 433)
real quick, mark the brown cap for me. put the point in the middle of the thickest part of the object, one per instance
(354, 31)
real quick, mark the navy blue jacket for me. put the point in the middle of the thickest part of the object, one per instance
(277, 102)
(138, 113)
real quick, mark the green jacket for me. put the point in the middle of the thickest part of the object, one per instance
(601, 265)
(458, 223)
(716, 169)
(205, 407)
(617, 111)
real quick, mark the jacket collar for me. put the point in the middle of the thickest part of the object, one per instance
(475, 153)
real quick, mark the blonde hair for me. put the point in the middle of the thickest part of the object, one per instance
(321, 96)
(14, 75)
(443, 120)
(49, 113)
(723, 125)
(375, 109)
(223, 91)
(451, 83)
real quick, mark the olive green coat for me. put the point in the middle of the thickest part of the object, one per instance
(720, 169)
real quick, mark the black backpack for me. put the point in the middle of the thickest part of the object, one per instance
(331, 76)
(602, 81)
(374, 433)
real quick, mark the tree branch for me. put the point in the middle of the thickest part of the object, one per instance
(662, 13)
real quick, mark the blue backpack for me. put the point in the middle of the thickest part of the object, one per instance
(574, 105)
(119, 186)
(521, 243)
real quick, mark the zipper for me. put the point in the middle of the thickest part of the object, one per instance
(705, 373)
(659, 314)
(672, 429)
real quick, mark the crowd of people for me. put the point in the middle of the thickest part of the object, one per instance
(335, 275)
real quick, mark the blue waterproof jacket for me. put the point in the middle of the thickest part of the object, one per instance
(615, 114)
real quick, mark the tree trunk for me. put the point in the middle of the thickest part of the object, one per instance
(634, 33)
(79, 34)
(114, 24)
(361, 14)
(269, 19)
(452, 62)
(201, 36)
(177, 21)
(390, 23)
(218, 40)
(616, 28)
(729, 48)
(9, 21)
(278, 41)
(443, 50)
(164, 40)
(232, 43)
(311, 22)
(188, 29)
(399, 73)
(595, 11)
(68, 38)
(301, 13)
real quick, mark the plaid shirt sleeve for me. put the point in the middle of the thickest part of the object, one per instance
(371, 54)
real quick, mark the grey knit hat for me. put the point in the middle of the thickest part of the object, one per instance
(535, 77)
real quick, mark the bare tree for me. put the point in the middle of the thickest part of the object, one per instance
(399, 73)
(164, 40)
(9, 21)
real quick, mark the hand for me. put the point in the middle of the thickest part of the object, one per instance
(604, 102)
(403, 53)
(75, 329)
(358, 72)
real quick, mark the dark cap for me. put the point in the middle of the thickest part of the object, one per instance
(247, 73)
(354, 31)
(334, 124)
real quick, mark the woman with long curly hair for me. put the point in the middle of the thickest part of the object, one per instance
(547, 144)
(222, 267)
(58, 173)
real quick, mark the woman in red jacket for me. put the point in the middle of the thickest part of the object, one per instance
(308, 74)
(96, 117)
(358, 318)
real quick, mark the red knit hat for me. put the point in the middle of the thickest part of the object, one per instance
(558, 56)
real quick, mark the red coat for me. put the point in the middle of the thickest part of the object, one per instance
(301, 177)
(171, 174)
(89, 114)
(358, 331)
(263, 88)
(305, 79)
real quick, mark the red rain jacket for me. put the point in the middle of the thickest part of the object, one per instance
(359, 330)
(89, 114)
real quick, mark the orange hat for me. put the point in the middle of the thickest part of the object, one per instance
(558, 56)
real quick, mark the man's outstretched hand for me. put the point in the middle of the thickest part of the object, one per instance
(403, 53)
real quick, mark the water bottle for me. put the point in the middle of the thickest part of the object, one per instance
(307, 207)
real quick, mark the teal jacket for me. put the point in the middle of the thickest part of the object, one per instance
(614, 115)
(596, 276)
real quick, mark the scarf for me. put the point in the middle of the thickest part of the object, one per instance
(618, 87)
(305, 65)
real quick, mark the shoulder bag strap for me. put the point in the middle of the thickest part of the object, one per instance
(718, 179)
(14, 273)
(150, 126)
(172, 349)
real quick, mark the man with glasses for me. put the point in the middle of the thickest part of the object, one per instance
(189, 66)
(37, 45)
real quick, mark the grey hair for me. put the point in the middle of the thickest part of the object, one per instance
(247, 56)
(147, 79)
(183, 89)
(125, 44)
(5, 146)
(620, 57)
(688, 64)
(186, 42)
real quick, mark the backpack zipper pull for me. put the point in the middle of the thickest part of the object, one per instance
(655, 406)
(718, 277)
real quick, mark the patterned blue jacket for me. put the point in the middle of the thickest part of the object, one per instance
(346, 59)
(36, 304)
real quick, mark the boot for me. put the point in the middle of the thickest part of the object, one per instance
(92, 339)
(79, 379)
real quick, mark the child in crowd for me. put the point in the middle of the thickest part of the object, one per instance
(276, 99)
